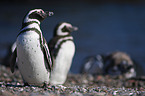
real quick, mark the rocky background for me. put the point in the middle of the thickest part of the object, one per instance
(76, 85)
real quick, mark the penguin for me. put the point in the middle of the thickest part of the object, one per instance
(62, 50)
(93, 65)
(31, 53)
(119, 63)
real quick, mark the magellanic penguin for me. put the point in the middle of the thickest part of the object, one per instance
(31, 52)
(119, 63)
(62, 50)
(93, 65)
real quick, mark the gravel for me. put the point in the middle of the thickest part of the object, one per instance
(76, 85)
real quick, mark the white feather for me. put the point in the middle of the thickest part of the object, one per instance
(31, 61)
(62, 63)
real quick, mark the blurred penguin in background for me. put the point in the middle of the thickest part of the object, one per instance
(119, 63)
(92, 65)
(115, 64)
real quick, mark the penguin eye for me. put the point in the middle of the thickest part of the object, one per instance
(39, 12)
(65, 29)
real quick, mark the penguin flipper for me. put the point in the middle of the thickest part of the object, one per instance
(51, 44)
(13, 60)
(47, 55)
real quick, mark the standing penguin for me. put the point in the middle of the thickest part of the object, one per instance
(31, 53)
(62, 50)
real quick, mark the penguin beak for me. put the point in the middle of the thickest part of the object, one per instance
(49, 13)
(73, 28)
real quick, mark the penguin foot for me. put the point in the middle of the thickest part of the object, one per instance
(26, 84)
(45, 85)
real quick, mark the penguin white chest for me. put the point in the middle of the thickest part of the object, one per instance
(30, 59)
(62, 62)
(65, 54)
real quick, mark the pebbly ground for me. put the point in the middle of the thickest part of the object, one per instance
(76, 85)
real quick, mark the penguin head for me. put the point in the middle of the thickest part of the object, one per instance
(64, 28)
(37, 15)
